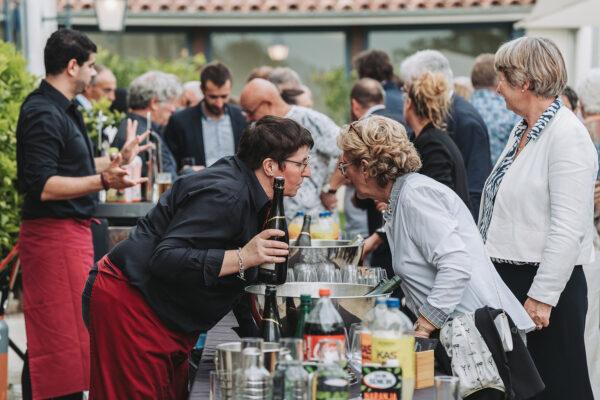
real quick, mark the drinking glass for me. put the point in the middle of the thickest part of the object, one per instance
(381, 274)
(290, 275)
(220, 385)
(326, 272)
(446, 387)
(370, 278)
(350, 273)
(304, 273)
(257, 342)
(337, 275)
(353, 349)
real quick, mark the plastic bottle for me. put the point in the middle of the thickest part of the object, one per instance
(295, 225)
(367, 323)
(331, 381)
(323, 228)
(323, 322)
(290, 379)
(392, 338)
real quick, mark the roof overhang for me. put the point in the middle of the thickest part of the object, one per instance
(562, 14)
(508, 14)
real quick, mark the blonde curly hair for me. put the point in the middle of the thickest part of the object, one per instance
(384, 144)
(430, 95)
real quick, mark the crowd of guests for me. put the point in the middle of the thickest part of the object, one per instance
(488, 198)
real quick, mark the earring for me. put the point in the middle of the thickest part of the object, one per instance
(270, 175)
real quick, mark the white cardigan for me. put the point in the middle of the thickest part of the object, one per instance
(544, 207)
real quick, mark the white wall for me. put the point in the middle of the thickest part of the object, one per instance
(38, 22)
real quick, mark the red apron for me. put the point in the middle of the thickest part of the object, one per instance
(56, 257)
(134, 355)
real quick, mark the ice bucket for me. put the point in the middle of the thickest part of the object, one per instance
(338, 252)
(348, 298)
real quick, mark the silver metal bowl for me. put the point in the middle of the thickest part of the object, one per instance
(338, 252)
(349, 299)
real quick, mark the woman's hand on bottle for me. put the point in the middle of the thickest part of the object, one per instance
(263, 250)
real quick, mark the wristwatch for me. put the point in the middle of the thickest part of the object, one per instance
(327, 189)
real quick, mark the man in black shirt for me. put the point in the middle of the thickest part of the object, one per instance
(184, 266)
(60, 179)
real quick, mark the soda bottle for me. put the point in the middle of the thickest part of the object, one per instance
(276, 273)
(323, 322)
(331, 381)
(366, 336)
(271, 326)
(295, 226)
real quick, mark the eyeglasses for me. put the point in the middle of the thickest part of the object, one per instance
(300, 164)
(251, 113)
(342, 167)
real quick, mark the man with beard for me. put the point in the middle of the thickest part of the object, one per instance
(60, 178)
(198, 136)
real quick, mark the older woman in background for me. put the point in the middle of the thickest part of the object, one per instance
(435, 245)
(536, 210)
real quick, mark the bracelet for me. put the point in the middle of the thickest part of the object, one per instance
(104, 183)
(418, 327)
(240, 263)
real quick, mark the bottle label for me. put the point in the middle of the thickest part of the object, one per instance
(365, 347)
(311, 348)
(268, 266)
(400, 348)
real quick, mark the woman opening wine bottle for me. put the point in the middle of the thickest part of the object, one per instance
(185, 264)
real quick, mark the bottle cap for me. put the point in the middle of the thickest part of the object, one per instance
(324, 292)
(299, 213)
(380, 300)
(305, 298)
(323, 214)
(279, 182)
(393, 302)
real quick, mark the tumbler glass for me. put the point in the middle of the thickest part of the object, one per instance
(446, 388)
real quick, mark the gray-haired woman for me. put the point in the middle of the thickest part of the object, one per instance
(536, 209)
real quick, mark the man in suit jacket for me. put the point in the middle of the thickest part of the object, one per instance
(200, 135)
(465, 124)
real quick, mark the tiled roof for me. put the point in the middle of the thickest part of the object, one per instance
(243, 6)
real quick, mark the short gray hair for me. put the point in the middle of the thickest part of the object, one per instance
(152, 84)
(195, 87)
(534, 59)
(286, 77)
(99, 69)
(588, 89)
(426, 61)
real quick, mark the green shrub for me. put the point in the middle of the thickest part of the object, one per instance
(111, 120)
(15, 85)
(127, 69)
(335, 86)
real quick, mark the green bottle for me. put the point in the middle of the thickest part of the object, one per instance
(305, 304)
(387, 287)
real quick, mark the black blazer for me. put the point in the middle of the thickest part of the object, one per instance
(442, 160)
(183, 133)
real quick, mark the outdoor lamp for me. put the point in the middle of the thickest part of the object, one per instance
(111, 14)
(278, 52)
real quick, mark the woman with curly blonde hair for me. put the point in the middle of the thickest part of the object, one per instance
(436, 247)
(425, 110)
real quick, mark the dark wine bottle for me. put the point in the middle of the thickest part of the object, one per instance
(271, 326)
(387, 287)
(304, 237)
(305, 304)
(276, 273)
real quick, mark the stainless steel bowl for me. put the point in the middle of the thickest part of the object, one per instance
(349, 299)
(338, 252)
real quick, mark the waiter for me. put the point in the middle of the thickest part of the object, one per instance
(60, 179)
(184, 266)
